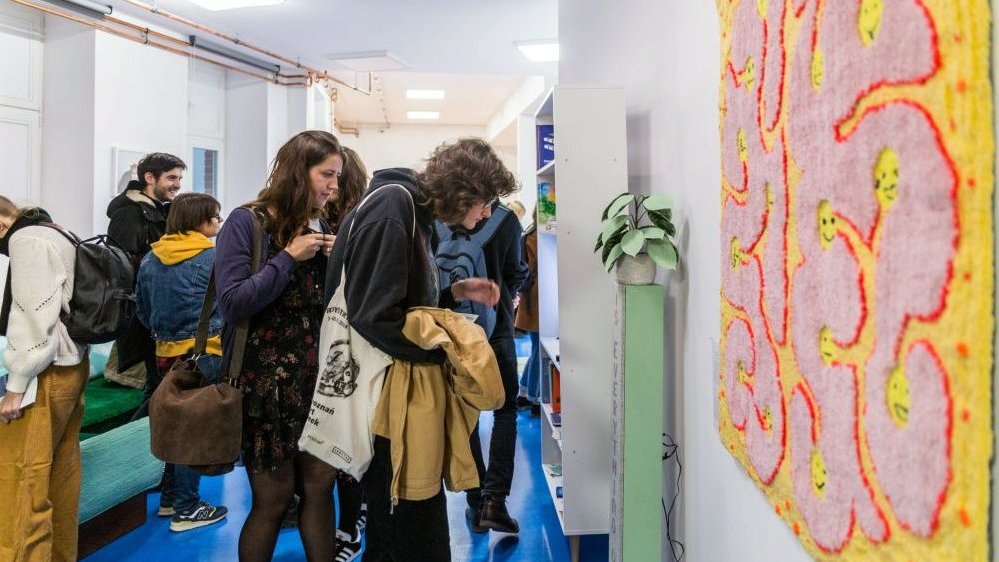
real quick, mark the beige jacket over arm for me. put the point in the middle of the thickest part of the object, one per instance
(429, 411)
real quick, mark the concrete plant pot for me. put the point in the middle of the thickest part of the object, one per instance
(638, 270)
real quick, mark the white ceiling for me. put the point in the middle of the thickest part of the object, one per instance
(470, 99)
(463, 46)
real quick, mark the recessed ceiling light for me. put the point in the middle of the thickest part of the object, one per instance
(217, 5)
(539, 51)
(369, 61)
(423, 114)
(425, 94)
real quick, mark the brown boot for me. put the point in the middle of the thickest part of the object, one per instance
(495, 516)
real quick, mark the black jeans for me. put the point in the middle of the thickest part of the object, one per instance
(415, 531)
(497, 478)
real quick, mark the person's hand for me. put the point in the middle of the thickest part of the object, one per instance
(10, 406)
(516, 301)
(483, 291)
(304, 246)
(328, 240)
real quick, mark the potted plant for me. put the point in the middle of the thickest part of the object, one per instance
(636, 236)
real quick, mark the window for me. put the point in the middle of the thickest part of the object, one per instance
(205, 171)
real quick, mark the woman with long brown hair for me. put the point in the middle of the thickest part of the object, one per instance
(283, 303)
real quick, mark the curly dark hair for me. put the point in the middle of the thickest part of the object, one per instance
(288, 190)
(461, 174)
(351, 185)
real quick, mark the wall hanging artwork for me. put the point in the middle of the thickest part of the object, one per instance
(857, 275)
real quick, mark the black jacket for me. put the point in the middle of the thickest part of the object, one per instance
(504, 266)
(136, 221)
(388, 269)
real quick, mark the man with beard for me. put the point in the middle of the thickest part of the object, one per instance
(138, 218)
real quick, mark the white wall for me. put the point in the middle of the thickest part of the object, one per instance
(403, 145)
(666, 54)
(68, 132)
(246, 150)
(140, 103)
(20, 102)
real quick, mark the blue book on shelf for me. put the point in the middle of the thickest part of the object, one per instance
(546, 144)
(556, 419)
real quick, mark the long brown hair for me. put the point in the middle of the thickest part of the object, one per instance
(288, 191)
(351, 185)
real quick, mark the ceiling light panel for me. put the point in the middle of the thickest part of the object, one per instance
(369, 61)
(423, 114)
(218, 5)
(539, 51)
(425, 94)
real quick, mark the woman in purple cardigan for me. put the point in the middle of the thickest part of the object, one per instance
(283, 303)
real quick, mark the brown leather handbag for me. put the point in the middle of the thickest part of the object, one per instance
(193, 422)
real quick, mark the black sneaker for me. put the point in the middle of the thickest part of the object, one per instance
(347, 547)
(523, 402)
(362, 518)
(202, 515)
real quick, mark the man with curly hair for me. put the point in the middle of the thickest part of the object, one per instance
(385, 249)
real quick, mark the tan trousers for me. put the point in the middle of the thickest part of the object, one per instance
(40, 471)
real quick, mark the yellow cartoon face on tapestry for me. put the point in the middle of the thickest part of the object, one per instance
(886, 172)
(897, 395)
(819, 474)
(869, 20)
(827, 224)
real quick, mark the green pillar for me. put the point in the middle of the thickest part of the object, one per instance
(636, 508)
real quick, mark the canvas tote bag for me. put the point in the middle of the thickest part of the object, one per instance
(351, 374)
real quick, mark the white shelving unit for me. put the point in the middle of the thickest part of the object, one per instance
(577, 301)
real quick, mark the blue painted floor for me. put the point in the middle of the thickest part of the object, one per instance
(540, 537)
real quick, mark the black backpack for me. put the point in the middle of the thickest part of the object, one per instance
(103, 300)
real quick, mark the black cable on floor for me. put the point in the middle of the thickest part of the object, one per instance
(672, 451)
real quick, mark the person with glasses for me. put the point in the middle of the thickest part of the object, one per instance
(172, 282)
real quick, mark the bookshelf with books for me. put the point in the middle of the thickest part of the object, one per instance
(587, 167)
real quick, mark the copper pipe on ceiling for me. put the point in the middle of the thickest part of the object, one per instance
(145, 40)
(314, 74)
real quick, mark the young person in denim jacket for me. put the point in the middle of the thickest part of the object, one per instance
(171, 287)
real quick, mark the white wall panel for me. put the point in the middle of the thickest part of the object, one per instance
(21, 62)
(206, 103)
(20, 150)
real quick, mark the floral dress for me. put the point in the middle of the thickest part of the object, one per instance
(280, 367)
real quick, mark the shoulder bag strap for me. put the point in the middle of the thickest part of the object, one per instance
(201, 339)
(243, 330)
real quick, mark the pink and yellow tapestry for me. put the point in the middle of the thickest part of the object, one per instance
(857, 274)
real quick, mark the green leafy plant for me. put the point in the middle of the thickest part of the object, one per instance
(633, 224)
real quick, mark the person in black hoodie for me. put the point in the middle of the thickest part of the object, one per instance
(389, 268)
(138, 218)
